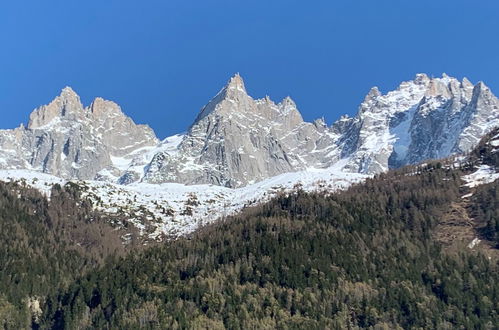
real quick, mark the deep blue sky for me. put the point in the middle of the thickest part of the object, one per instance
(162, 60)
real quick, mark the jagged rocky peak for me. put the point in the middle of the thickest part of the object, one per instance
(439, 87)
(237, 140)
(233, 92)
(369, 100)
(233, 103)
(71, 141)
(422, 86)
(423, 118)
(466, 83)
(448, 87)
(372, 94)
(68, 93)
(288, 113)
(233, 100)
(480, 87)
(101, 107)
(421, 79)
(108, 116)
(320, 124)
(287, 104)
(67, 104)
(236, 83)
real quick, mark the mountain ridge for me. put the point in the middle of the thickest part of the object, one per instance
(169, 188)
(236, 140)
(424, 233)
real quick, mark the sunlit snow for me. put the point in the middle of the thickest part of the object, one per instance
(177, 209)
(483, 175)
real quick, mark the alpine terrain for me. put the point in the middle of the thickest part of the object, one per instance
(238, 151)
(412, 248)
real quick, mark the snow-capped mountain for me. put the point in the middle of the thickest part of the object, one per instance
(423, 119)
(238, 151)
(237, 140)
(72, 142)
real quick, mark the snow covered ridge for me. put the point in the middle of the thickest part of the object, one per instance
(172, 209)
(239, 150)
(40, 181)
(236, 140)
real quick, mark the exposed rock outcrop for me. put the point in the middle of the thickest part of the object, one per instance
(237, 140)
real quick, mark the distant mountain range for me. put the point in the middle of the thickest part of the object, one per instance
(238, 151)
(237, 140)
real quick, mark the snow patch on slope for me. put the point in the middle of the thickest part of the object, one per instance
(473, 243)
(402, 134)
(483, 175)
(40, 181)
(495, 141)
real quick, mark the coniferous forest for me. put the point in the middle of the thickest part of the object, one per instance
(378, 255)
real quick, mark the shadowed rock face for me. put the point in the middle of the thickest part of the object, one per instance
(237, 140)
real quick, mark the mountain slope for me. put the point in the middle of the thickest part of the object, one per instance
(365, 257)
(376, 254)
(237, 140)
(45, 245)
(169, 210)
(238, 152)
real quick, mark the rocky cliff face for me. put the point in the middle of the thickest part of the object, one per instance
(237, 140)
(67, 140)
(423, 119)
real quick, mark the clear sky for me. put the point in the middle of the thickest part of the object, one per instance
(162, 60)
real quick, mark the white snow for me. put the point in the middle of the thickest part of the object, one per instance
(473, 243)
(467, 196)
(483, 175)
(41, 181)
(495, 141)
(121, 163)
(176, 209)
(171, 143)
(402, 134)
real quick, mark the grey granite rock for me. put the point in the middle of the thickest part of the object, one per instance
(237, 140)
(67, 140)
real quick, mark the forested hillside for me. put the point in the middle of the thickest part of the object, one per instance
(485, 206)
(44, 246)
(367, 257)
